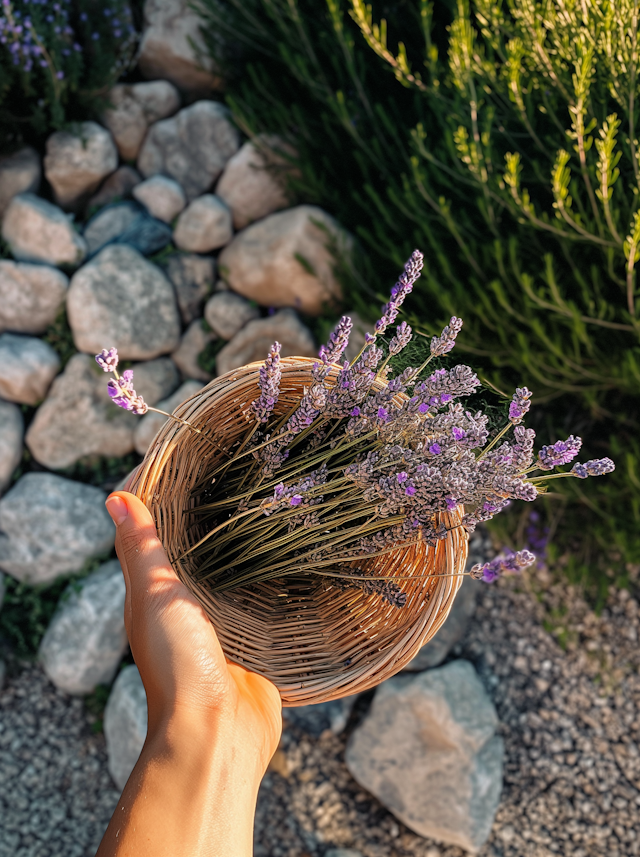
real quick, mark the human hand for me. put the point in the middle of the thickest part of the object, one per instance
(221, 719)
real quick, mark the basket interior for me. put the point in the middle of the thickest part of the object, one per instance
(314, 640)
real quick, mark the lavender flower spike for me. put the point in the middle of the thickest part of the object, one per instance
(595, 467)
(400, 291)
(402, 338)
(561, 452)
(108, 359)
(512, 562)
(123, 394)
(338, 341)
(520, 404)
(270, 374)
(447, 339)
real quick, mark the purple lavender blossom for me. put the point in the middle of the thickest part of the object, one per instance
(447, 339)
(520, 404)
(269, 383)
(561, 452)
(511, 562)
(108, 359)
(400, 291)
(595, 467)
(401, 339)
(338, 341)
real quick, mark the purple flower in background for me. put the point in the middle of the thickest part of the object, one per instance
(269, 383)
(561, 452)
(520, 404)
(108, 359)
(402, 476)
(595, 467)
(447, 339)
(435, 448)
(511, 562)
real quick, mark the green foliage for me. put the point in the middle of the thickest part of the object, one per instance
(27, 610)
(95, 704)
(499, 138)
(102, 472)
(60, 338)
(58, 62)
(207, 357)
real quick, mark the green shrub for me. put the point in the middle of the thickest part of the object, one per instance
(58, 61)
(500, 139)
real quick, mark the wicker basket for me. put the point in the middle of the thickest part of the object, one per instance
(314, 641)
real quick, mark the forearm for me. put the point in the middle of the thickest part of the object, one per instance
(191, 794)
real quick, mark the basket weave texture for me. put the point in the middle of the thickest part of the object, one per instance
(313, 640)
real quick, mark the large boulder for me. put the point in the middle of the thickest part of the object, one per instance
(253, 181)
(285, 260)
(78, 418)
(121, 299)
(194, 341)
(428, 751)
(20, 172)
(172, 47)
(125, 724)
(51, 526)
(192, 277)
(227, 313)
(162, 197)
(28, 365)
(150, 424)
(191, 147)
(86, 638)
(133, 107)
(37, 231)
(256, 338)
(205, 225)
(77, 161)
(115, 187)
(436, 650)
(11, 435)
(30, 296)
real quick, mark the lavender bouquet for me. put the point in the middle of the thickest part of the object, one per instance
(362, 465)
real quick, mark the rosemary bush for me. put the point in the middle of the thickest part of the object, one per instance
(501, 137)
(58, 60)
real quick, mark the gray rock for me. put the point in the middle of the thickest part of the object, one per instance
(20, 172)
(191, 147)
(76, 163)
(146, 235)
(37, 231)
(27, 367)
(30, 296)
(342, 852)
(428, 751)
(194, 341)
(133, 108)
(86, 639)
(78, 419)
(256, 338)
(155, 379)
(172, 47)
(227, 313)
(125, 724)
(437, 649)
(11, 436)
(162, 197)
(115, 187)
(253, 181)
(150, 424)
(109, 224)
(192, 277)
(121, 299)
(51, 526)
(204, 226)
(314, 719)
(285, 260)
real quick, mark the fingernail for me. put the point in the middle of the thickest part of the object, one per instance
(117, 508)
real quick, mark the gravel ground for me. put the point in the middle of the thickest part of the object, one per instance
(570, 719)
